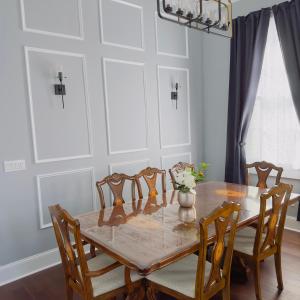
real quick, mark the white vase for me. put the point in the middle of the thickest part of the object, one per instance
(186, 199)
(187, 215)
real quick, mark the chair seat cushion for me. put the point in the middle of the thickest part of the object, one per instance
(180, 276)
(244, 240)
(111, 280)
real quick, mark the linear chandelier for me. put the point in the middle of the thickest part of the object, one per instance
(212, 16)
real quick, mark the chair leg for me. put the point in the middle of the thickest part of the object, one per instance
(92, 251)
(226, 290)
(69, 293)
(257, 280)
(278, 268)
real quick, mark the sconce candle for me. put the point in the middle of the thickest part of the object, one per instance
(174, 94)
(60, 89)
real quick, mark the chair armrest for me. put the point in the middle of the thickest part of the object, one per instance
(104, 270)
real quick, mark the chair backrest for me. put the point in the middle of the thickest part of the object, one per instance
(224, 219)
(269, 234)
(116, 184)
(66, 228)
(150, 177)
(181, 166)
(263, 170)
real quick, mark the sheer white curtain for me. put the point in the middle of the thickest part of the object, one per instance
(274, 133)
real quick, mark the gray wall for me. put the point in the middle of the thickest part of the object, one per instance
(216, 52)
(118, 114)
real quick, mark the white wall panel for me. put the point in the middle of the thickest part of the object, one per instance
(171, 39)
(174, 123)
(126, 108)
(58, 134)
(73, 190)
(121, 24)
(53, 17)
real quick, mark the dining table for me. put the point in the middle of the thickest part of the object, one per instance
(150, 233)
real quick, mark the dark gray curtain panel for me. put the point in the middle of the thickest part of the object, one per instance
(287, 19)
(247, 53)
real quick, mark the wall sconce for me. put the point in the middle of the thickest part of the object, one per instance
(174, 94)
(60, 89)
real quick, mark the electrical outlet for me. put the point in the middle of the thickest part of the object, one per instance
(14, 165)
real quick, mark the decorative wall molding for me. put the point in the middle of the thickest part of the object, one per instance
(127, 163)
(186, 56)
(160, 67)
(135, 6)
(39, 190)
(163, 157)
(50, 33)
(32, 119)
(110, 152)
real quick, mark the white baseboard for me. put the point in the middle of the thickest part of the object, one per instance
(50, 258)
(30, 265)
(27, 266)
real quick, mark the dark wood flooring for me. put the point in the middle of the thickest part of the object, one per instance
(49, 284)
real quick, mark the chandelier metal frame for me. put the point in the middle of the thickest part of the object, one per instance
(165, 11)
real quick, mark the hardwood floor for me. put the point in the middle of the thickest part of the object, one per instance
(49, 284)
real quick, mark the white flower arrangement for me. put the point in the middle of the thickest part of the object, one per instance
(185, 181)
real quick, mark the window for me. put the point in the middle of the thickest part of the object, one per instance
(274, 133)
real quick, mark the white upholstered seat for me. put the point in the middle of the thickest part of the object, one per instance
(244, 240)
(180, 276)
(111, 280)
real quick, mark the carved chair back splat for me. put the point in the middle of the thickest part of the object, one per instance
(116, 184)
(219, 278)
(263, 170)
(273, 228)
(181, 166)
(150, 177)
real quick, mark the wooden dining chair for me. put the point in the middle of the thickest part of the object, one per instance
(263, 170)
(181, 166)
(150, 177)
(116, 184)
(100, 277)
(193, 277)
(255, 245)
